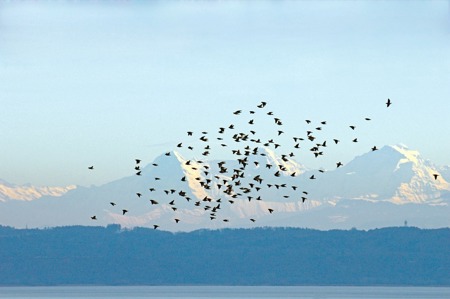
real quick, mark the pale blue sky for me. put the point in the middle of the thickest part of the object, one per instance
(101, 84)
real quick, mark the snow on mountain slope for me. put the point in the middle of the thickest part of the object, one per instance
(445, 172)
(27, 192)
(422, 187)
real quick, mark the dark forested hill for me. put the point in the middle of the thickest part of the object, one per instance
(264, 256)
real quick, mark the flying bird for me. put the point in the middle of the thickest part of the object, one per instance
(91, 167)
(94, 217)
(388, 103)
(124, 211)
(435, 175)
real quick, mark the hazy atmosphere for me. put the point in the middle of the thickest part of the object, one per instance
(224, 149)
(107, 82)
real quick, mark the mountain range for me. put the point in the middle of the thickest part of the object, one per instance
(391, 186)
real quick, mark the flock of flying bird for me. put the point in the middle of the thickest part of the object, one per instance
(235, 183)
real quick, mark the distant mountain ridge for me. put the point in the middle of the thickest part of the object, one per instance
(28, 192)
(389, 177)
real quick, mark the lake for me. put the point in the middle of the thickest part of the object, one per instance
(236, 292)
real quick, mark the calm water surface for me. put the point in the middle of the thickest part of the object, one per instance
(226, 292)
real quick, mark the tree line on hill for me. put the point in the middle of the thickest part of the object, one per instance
(86, 255)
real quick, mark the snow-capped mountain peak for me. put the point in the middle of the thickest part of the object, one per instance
(409, 155)
(421, 186)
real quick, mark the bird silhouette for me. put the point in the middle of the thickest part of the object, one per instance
(435, 175)
(124, 211)
(91, 167)
(388, 103)
(94, 217)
